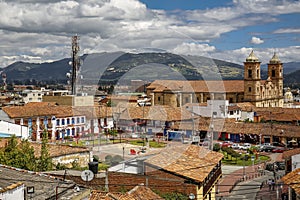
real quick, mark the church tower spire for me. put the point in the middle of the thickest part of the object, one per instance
(275, 72)
(251, 78)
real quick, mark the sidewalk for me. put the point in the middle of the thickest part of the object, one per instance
(253, 176)
(230, 181)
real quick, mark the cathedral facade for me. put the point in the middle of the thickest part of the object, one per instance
(261, 93)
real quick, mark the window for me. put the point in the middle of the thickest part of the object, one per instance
(82, 119)
(231, 112)
(68, 121)
(186, 99)
(63, 122)
(273, 73)
(257, 73)
(57, 122)
(78, 120)
(249, 89)
(73, 120)
(230, 100)
(249, 73)
(158, 98)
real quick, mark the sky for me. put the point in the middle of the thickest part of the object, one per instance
(41, 30)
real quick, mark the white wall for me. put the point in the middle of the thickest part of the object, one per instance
(7, 128)
(13, 194)
(295, 162)
(220, 107)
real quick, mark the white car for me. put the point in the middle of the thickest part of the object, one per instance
(235, 146)
(245, 146)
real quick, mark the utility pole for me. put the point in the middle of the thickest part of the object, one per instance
(75, 63)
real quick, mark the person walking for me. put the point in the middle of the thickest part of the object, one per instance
(269, 184)
(273, 184)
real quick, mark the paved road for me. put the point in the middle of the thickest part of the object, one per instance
(115, 149)
(252, 189)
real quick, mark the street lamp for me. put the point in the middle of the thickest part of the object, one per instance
(244, 173)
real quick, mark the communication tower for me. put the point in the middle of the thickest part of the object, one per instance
(75, 63)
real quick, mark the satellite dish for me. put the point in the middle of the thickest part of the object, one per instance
(87, 175)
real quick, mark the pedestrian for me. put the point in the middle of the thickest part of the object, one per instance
(269, 184)
(273, 184)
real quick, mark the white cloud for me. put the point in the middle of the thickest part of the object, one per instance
(193, 49)
(288, 30)
(42, 29)
(286, 54)
(256, 40)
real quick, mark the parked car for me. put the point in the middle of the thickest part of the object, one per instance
(280, 165)
(235, 146)
(278, 144)
(271, 167)
(278, 149)
(245, 146)
(267, 148)
(226, 144)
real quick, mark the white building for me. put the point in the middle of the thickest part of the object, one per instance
(32, 95)
(7, 129)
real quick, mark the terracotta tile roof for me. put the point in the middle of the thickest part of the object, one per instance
(278, 114)
(123, 97)
(293, 180)
(99, 195)
(191, 161)
(197, 86)
(233, 108)
(160, 113)
(230, 126)
(290, 153)
(38, 109)
(58, 150)
(246, 106)
(137, 193)
(141, 192)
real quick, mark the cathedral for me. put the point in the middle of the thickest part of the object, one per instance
(261, 93)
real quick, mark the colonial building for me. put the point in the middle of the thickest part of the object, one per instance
(261, 93)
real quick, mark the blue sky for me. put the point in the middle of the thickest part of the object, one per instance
(40, 30)
(241, 37)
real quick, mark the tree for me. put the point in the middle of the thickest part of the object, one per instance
(20, 155)
(45, 162)
(26, 156)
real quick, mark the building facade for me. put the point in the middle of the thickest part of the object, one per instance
(261, 93)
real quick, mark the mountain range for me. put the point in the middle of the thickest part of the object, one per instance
(113, 67)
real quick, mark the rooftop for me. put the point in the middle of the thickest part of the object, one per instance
(190, 161)
(44, 185)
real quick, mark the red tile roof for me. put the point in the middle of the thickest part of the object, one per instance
(58, 150)
(139, 192)
(293, 180)
(197, 86)
(190, 161)
(159, 113)
(290, 153)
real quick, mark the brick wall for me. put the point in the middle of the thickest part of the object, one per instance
(158, 181)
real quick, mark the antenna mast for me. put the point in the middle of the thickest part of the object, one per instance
(75, 63)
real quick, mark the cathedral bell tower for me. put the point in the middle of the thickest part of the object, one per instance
(275, 73)
(252, 78)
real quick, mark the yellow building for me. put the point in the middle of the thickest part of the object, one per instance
(261, 93)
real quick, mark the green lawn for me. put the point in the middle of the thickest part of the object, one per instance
(152, 144)
(228, 160)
